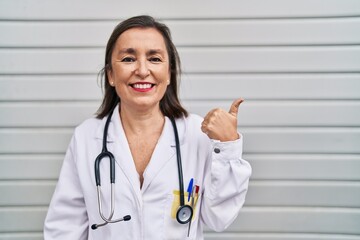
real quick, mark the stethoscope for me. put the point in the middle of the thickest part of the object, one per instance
(184, 212)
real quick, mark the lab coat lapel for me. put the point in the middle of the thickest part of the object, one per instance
(125, 160)
(164, 151)
(118, 145)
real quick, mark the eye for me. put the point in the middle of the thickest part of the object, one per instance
(155, 59)
(128, 59)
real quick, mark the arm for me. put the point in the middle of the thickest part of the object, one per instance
(226, 184)
(227, 174)
(67, 217)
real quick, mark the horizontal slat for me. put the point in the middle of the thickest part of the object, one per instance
(289, 113)
(297, 220)
(46, 114)
(261, 193)
(56, 61)
(22, 236)
(195, 60)
(30, 167)
(267, 32)
(24, 219)
(188, 33)
(223, 86)
(29, 193)
(267, 86)
(257, 140)
(303, 193)
(331, 167)
(304, 167)
(271, 59)
(301, 140)
(34, 9)
(277, 236)
(51, 88)
(282, 220)
(34, 140)
(252, 113)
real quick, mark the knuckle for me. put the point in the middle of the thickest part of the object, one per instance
(213, 112)
(210, 127)
(217, 111)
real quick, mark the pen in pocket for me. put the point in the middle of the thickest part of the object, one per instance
(190, 188)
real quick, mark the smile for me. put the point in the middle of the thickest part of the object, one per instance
(142, 87)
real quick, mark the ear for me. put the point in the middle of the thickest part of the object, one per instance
(110, 76)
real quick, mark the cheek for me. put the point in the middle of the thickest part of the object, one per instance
(121, 75)
(162, 72)
(166, 76)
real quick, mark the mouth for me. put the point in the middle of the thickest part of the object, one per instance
(142, 87)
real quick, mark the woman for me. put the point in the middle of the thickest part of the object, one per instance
(140, 78)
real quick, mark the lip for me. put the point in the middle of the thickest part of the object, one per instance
(142, 86)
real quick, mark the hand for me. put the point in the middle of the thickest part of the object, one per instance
(221, 125)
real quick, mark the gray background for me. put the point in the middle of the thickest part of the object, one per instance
(296, 62)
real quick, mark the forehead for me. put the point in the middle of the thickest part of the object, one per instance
(141, 38)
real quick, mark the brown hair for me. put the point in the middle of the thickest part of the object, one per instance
(169, 105)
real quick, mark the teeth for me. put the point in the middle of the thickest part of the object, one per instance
(142, 86)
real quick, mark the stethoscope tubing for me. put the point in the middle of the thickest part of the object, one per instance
(185, 211)
(179, 163)
(105, 153)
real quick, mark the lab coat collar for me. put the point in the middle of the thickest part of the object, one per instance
(114, 128)
(115, 118)
(111, 134)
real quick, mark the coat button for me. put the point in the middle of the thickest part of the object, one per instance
(216, 150)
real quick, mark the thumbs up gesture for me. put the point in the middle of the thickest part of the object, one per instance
(221, 125)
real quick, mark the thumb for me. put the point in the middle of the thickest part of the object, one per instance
(235, 106)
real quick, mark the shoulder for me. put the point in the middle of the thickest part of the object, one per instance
(89, 123)
(83, 135)
(190, 124)
(193, 128)
(193, 120)
(87, 128)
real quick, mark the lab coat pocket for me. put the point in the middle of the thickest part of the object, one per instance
(172, 228)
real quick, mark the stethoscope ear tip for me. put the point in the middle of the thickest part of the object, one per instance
(94, 226)
(127, 218)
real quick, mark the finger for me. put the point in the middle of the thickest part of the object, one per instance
(204, 128)
(235, 106)
(209, 114)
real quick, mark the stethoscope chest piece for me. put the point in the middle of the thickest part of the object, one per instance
(184, 214)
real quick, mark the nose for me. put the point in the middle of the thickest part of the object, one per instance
(142, 69)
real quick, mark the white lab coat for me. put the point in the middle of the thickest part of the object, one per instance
(222, 177)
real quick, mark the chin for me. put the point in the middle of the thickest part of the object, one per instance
(145, 105)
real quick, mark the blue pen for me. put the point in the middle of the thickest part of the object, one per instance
(190, 187)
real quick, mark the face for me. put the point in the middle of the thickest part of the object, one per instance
(140, 68)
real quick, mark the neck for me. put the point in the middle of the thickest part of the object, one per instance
(140, 122)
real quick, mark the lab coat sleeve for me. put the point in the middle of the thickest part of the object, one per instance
(67, 217)
(225, 184)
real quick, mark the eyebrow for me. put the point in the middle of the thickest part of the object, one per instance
(155, 51)
(133, 51)
(127, 50)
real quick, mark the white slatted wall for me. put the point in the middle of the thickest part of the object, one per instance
(296, 62)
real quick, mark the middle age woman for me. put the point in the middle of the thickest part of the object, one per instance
(141, 73)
